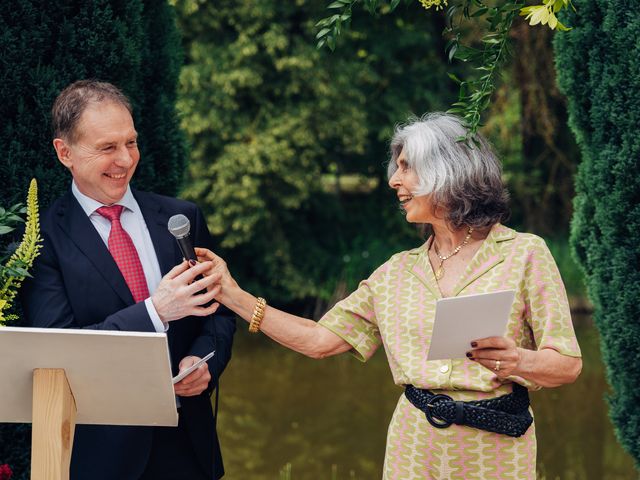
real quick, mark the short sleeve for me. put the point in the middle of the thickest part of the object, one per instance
(547, 307)
(353, 320)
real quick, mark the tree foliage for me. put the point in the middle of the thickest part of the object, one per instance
(510, 74)
(599, 71)
(527, 123)
(487, 54)
(289, 142)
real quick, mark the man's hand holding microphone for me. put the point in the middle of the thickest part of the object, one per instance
(186, 291)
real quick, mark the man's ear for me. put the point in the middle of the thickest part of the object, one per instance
(63, 151)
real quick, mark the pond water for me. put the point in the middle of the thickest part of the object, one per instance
(283, 415)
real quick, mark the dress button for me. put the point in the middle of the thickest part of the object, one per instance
(444, 368)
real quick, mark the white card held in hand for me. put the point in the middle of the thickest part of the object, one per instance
(186, 372)
(460, 320)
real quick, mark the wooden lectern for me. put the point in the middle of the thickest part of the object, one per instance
(57, 378)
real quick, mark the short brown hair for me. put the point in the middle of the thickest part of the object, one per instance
(73, 100)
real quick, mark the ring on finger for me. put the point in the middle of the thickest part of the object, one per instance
(497, 366)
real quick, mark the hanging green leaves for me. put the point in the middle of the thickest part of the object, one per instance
(486, 56)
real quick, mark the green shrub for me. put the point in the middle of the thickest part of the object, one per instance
(598, 65)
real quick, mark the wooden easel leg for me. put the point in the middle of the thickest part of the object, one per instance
(54, 423)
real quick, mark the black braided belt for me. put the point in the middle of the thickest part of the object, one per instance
(508, 414)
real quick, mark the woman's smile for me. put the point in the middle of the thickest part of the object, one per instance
(404, 199)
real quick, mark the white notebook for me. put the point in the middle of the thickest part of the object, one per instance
(460, 320)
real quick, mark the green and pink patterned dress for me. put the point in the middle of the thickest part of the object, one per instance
(395, 307)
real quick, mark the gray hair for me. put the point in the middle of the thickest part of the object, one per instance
(73, 101)
(465, 181)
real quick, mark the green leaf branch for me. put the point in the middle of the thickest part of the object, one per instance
(475, 94)
(487, 58)
(330, 28)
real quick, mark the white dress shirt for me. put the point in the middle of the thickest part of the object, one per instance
(133, 223)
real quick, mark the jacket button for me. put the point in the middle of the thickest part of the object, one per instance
(444, 368)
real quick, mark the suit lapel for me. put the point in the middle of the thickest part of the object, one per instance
(75, 223)
(156, 219)
(487, 257)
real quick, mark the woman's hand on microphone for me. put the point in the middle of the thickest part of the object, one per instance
(223, 281)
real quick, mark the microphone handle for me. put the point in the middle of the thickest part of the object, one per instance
(188, 253)
(186, 248)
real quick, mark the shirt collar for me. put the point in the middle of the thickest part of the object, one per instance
(89, 205)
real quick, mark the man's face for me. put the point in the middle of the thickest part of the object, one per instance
(105, 154)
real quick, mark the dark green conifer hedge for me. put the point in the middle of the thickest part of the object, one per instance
(598, 64)
(46, 45)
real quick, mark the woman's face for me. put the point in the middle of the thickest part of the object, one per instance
(404, 181)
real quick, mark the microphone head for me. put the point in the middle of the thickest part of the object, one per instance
(179, 226)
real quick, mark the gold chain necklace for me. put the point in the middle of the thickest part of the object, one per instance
(440, 269)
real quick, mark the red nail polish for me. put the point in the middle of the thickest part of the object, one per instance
(193, 263)
(469, 355)
(474, 344)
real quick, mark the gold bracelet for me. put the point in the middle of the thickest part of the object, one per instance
(258, 314)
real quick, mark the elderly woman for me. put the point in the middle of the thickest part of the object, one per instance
(445, 425)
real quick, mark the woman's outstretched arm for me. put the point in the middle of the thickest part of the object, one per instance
(296, 333)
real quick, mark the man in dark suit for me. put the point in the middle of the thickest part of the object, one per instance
(108, 262)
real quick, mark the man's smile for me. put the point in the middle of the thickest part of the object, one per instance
(116, 176)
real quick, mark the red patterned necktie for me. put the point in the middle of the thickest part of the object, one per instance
(125, 254)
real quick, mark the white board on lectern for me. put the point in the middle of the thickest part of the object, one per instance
(116, 378)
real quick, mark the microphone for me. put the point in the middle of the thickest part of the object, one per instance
(179, 226)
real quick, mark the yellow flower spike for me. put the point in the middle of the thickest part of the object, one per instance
(26, 252)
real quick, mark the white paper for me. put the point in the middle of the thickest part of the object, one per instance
(460, 320)
(186, 372)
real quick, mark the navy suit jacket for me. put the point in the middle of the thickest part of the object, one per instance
(77, 284)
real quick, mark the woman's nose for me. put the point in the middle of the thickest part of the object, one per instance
(394, 181)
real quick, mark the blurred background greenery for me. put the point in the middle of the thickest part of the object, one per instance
(289, 143)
